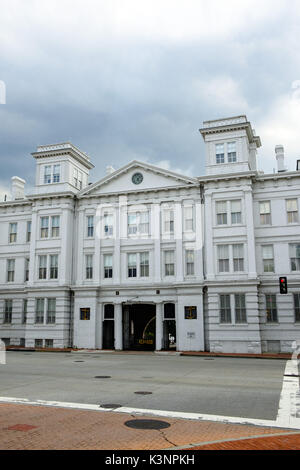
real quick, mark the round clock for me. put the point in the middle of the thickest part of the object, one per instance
(137, 178)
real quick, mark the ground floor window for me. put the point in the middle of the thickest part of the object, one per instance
(271, 308)
(297, 307)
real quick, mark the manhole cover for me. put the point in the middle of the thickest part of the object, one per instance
(143, 393)
(111, 405)
(146, 424)
(102, 377)
(78, 361)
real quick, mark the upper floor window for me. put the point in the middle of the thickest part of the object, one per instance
(190, 262)
(108, 224)
(28, 232)
(108, 266)
(39, 310)
(295, 256)
(53, 266)
(223, 258)
(292, 211)
(138, 223)
(236, 212)
(51, 174)
(55, 223)
(144, 264)
(26, 277)
(169, 263)
(13, 232)
(238, 257)
(132, 265)
(221, 208)
(44, 227)
(220, 155)
(268, 258)
(8, 310)
(231, 152)
(265, 212)
(90, 226)
(43, 267)
(10, 270)
(168, 220)
(77, 178)
(188, 218)
(56, 173)
(89, 266)
(47, 174)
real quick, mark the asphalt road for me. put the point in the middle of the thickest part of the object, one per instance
(238, 387)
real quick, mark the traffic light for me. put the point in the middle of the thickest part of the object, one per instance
(283, 285)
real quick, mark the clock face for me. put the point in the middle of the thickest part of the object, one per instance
(137, 178)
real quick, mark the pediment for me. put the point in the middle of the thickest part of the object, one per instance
(137, 176)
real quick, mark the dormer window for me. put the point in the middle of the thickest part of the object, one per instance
(231, 152)
(220, 156)
(228, 156)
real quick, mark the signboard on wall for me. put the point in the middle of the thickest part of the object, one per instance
(190, 313)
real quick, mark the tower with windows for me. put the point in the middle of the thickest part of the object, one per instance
(61, 167)
(231, 145)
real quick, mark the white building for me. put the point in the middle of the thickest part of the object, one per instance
(149, 259)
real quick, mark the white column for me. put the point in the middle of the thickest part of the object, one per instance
(159, 326)
(155, 233)
(81, 233)
(118, 327)
(117, 244)
(99, 325)
(34, 236)
(178, 238)
(210, 272)
(252, 274)
(198, 224)
(98, 234)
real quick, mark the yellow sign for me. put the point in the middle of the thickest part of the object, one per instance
(145, 341)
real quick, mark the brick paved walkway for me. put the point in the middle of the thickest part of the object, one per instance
(43, 427)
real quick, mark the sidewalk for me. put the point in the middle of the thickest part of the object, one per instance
(33, 427)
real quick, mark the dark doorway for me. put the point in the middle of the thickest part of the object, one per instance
(108, 327)
(139, 327)
(169, 328)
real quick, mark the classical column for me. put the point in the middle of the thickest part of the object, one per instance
(118, 327)
(178, 238)
(252, 273)
(155, 233)
(159, 326)
(209, 248)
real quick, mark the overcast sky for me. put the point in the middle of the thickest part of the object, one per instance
(135, 79)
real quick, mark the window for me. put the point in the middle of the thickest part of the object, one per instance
(28, 233)
(265, 213)
(108, 224)
(225, 309)
(144, 264)
(38, 343)
(132, 223)
(56, 173)
(268, 258)
(44, 227)
(138, 222)
(271, 308)
(43, 267)
(188, 219)
(143, 222)
(13, 232)
(51, 311)
(238, 258)
(24, 311)
(55, 223)
(53, 266)
(48, 343)
(90, 226)
(10, 270)
(292, 211)
(169, 263)
(297, 307)
(108, 266)
(231, 152)
(220, 156)
(240, 308)
(223, 258)
(189, 260)
(295, 257)
(26, 277)
(80, 179)
(75, 177)
(89, 266)
(169, 221)
(85, 314)
(39, 310)
(109, 313)
(221, 208)
(8, 310)
(236, 212)
(132, 265)
(47, 174)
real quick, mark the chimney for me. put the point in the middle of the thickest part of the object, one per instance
(279, 151)
(109, 170)
(17, 188)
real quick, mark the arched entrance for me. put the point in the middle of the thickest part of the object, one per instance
(139, 326)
